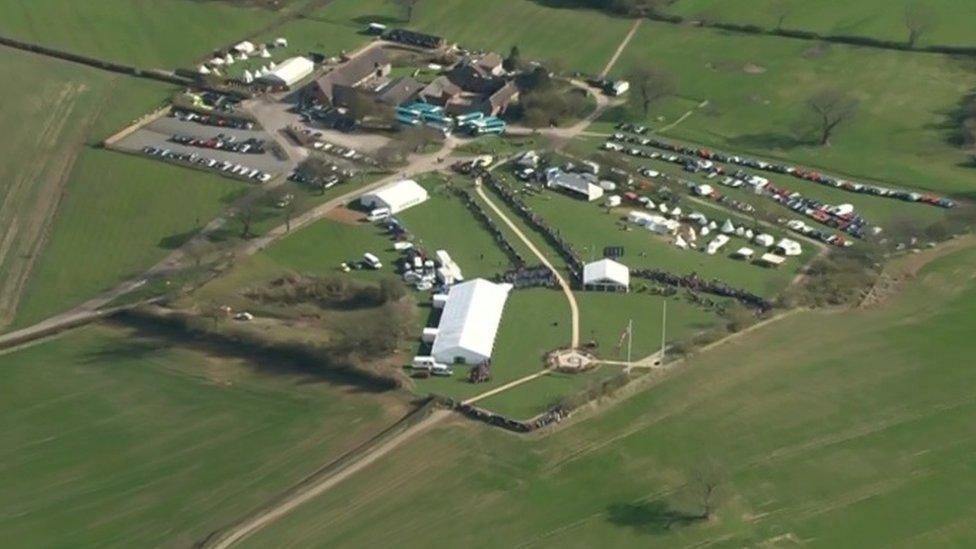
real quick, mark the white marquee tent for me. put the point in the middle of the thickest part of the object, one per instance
(289, 72)
(606, 274)
(469, 322)
(396, 196)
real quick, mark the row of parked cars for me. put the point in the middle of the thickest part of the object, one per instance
(213, 120)
(228, 168)
(222, 142)
(842, 218)
(787, 169)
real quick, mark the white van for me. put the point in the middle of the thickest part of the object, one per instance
(427, 363)
(378, 214)
(372, 261)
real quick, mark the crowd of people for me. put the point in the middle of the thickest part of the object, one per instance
(514, 257)
(535, 276)
(697, 284)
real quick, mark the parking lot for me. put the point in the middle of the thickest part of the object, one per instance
(160, 134)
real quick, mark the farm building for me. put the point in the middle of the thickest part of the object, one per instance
(396, 196)
(289, 72)
(606, 275)
(339, 86)
(469, 322)
(582, 184)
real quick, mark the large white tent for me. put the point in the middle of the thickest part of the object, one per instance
(469, 322)
(290, 72)
(606, 274)
(396, 196)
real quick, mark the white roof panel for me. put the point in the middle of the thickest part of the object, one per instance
(606, 270)
(470, 321)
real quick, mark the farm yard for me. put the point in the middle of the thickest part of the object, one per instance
(405, 290)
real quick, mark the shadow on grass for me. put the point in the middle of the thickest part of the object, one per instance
(381, 19)
(174, 241)
(306, 366)
(768, 140)
(651, 517)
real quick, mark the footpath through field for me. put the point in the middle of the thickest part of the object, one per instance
(567, 289)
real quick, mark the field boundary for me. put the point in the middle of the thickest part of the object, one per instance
(811, 36)
(323, 479)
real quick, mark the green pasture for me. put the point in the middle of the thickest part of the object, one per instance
(542, 393)
(756, 89)
(144, 33)
(540, 32)
(116, 437)
(119, 216)
(857, 437)
(952, 20)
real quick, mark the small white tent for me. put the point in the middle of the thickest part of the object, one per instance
(606, 274)
(396, 196)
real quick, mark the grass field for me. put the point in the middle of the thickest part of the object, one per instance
(756, 87)
(119, 216)
(540, 32)
(858, 437)
(61, 109)
(445, 223)
(883, 19)
(144, 33)
(115, 438)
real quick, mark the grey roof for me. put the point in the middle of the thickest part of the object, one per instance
(399, 91)
(354, 71)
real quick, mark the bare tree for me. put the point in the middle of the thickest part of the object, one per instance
(919, 19)
(292, 207)
(650, 84)
(832, 108)
(246, 217)
(408, 7)
(780, 9)
(707, 483)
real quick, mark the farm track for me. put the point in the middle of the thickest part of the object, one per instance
(31, 201)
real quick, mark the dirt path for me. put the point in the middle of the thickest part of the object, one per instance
(506, 387)
(620, 49)
(567, 290)
(307, 493)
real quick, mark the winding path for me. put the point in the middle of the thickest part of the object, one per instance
(567, 289)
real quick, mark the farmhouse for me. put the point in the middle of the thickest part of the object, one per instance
(289, 72)
(396, 196)
(582, 184)
(339, 86)
(606, 275)
(477, 82)
(468, 325)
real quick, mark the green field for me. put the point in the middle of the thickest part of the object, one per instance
(120, 215)
(144, 33)
(953, 20)
(756, 88)
(116, 438)
(540, 32)
(445, 223)
(859, 437)
(65, 109)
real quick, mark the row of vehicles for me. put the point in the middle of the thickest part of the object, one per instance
(212, 120)
(222, 142)
(228, 168)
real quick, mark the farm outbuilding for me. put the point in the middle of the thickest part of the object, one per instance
(396, 196)
(606, 275)
(469, 322)
(289, 72)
